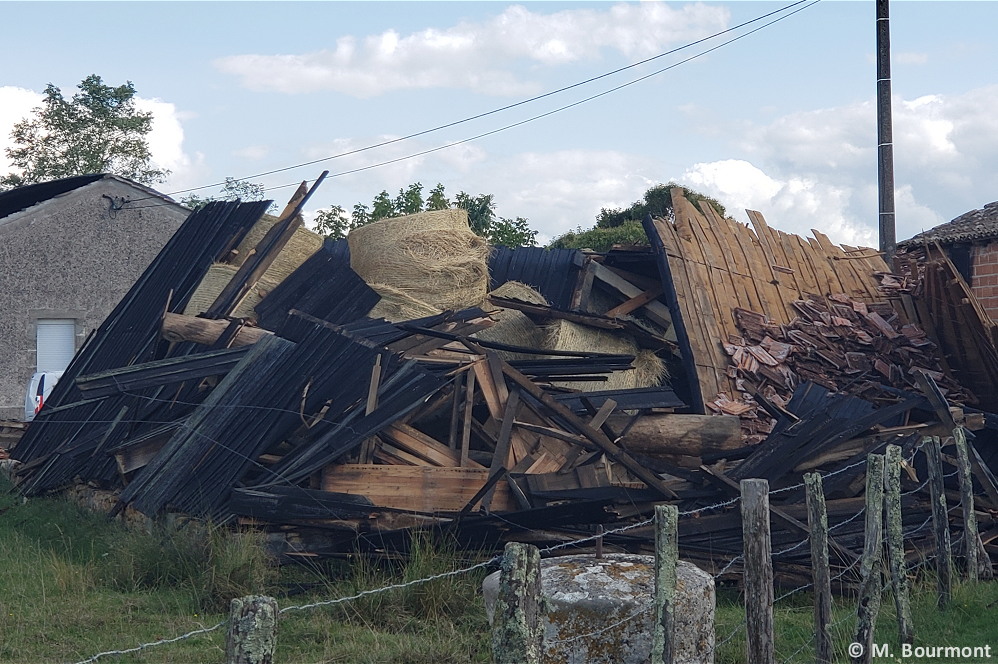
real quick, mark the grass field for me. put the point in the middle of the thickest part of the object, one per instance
(73, 585)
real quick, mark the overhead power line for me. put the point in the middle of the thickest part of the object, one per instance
(798, 3)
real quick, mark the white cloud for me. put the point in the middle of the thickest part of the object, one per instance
(166, 143)
(818, 168)
(794, 205)
(559, 191)
(910, 58)
(477, 56)
(15, 105)
(252, 152)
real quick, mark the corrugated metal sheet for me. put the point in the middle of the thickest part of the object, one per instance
(551, 272)
(324, 286)
(68, 429)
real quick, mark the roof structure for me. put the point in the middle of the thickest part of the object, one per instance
(22, 198)
(971, 226)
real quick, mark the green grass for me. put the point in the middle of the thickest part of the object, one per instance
(72, 585)
(969, 620)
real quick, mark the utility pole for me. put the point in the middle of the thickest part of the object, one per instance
(885, 141)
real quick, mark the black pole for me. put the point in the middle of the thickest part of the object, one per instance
(885, 141)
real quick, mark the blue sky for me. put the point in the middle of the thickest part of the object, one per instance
(781, 121)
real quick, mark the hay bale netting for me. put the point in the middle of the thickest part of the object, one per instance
(299, 248)
(514, 327)
(396, 305)
(215, 280)
(648, 368)
(432, 256)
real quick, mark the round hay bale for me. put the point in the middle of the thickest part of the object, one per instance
(215, 280)
(299, 248)
(566, 335)
(396, 305)
(432, 256)
(514, 327)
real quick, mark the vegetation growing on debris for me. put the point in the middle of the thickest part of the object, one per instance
(99, 130)
(623, 225)
(335, 222)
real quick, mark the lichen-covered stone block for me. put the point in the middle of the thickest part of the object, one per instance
(601, 611)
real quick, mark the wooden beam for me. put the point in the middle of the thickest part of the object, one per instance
(595, 436)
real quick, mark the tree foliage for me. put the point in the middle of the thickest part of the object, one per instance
(335, 222)
(232, 189)
(623, 225)
(99, 130)
(657, 201)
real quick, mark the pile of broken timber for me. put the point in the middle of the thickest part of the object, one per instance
(928, 290)
(334, 433)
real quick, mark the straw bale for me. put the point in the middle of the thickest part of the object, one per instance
(432, 256)
(648, 368)
(299, 248)
(396, 305)
(215, 280)
(514, 327)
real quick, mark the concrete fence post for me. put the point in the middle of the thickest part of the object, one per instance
(940, 520)
(817, 522)
(895, 543)
(666, 560)
(869, 566)
(517, 633)
(252, 634)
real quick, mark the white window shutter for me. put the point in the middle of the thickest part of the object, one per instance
(55, 344)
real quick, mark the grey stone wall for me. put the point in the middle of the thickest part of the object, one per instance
(71, 257)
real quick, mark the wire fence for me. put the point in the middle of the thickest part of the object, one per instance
(494, 561)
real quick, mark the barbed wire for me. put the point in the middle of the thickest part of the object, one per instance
(161, 642)
(394, 586)
(494, 560)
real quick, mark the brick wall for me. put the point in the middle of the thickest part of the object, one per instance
(984, 279)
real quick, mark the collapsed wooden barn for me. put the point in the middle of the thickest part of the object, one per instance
(336, 432)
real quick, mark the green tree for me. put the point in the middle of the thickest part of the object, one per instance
(99, 130)
(511, 233)
(382, 207)
(657, 201)
(232, 189)
(437, 200)
(361, 215)
(410, 200)
(481, 211)
(333, 223)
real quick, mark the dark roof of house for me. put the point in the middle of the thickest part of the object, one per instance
(21, 198)
(974, 225)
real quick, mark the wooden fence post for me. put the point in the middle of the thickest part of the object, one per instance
(970, 537)
(517, 633)
(817, 523)
(252, 633)
(758, 553)
(940, 520)
(869, 566)
(666, 560)
(895, 543)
